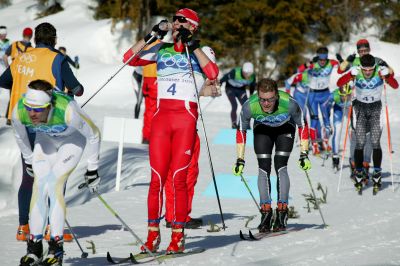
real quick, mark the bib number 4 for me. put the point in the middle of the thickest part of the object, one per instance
(172, 89)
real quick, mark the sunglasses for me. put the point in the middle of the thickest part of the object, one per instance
(180, 19)
(268, 100)
(36, 109)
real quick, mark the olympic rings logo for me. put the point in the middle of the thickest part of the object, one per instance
(171, 60)
(27, 58)
(55, 129)
(321, 72)
(273, 119)
(369, 84)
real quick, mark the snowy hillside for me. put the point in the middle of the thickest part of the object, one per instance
(363, 230)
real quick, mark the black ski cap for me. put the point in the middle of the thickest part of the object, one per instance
(367, 61)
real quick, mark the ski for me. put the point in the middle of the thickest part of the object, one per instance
(259, 236)
(160, 256)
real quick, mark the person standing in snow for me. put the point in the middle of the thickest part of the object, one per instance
(363, 48)
(17, 48)
(62, 132)
(173, 129)
(369, 81)
(42, 62)
(74, 63)
(4, 45)
(236, 81)
(319, 72)
(275, 115)
(339, 101)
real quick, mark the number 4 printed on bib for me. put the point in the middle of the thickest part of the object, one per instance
(172, 89)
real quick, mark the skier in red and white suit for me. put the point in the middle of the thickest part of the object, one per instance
(173, 129)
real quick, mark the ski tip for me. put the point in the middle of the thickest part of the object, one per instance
(241, 235)
(251, 235)
(132, 259)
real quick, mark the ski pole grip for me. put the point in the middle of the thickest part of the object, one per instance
(82, 185)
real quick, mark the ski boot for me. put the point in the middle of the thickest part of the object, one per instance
(177, 244)
(153, 238)
(366, 171)
(67, 236)
(359, 177)
(281, 217)
(23, 232)
(55, 253)
(266, 218)
(315, 149)
(376, 178)
(193, 223)
(234, 125)
(335, 162)
(352, 170)
(34, 252)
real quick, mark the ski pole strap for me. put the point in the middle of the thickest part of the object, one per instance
(263, 156)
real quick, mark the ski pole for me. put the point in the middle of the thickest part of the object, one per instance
(248, 189)
(205, 136)
(112, 76)
(316, 200)
(344, 145)
(84, 254)
(122, 221)
(389, 136)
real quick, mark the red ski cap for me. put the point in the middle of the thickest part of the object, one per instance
(27, 32)
(190, 15)
(362, 43)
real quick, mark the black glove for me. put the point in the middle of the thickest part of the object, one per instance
(157, 31)
(193, 45)
(382, 63)
(339, 58)
(351, 58)
(315, 59)
(238, 167)
(184, 35)
(92, 180)
(29, 170)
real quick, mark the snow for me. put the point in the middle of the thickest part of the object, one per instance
(363, 230)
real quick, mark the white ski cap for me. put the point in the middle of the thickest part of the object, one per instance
(36, 97)
(3, 31)
(210, 53)
(248, 68)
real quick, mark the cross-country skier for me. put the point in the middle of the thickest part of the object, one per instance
(236, 81)
(74, 63)
(275, 115)
(340, 101)
(319, 72)
(369, 80)
(173, 129)
(62, 132)
(42, 62)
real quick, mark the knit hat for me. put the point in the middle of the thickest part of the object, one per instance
(367, 61)
(27, 32)
(362, 43)
(190, 15)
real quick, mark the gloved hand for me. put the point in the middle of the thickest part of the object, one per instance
(382, 63)
(238, 167)
(315, 59)
(29, 170)
(384, 71)
(184, 35)
(156, 30)
(354, 71)
(351, 58)
(304, 162)
(339, 58)
(92, 180)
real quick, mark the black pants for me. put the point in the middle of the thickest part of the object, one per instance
(232, 94)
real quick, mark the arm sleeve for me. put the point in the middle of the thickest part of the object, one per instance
(145, 57)
(6, 80)
(8, 51)
(344, 79)
(69, 79)
(244, 124)
(77, 119)
(228, 76)
(297, 116)
(22, 138)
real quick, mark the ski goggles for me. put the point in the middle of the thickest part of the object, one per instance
(368, 69)
(180, 19)
(322, 56)
(346, 91)
(37, 109)
(267, 100)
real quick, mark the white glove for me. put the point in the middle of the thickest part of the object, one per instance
(92, 180)
(384, 71)
(354, 71)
